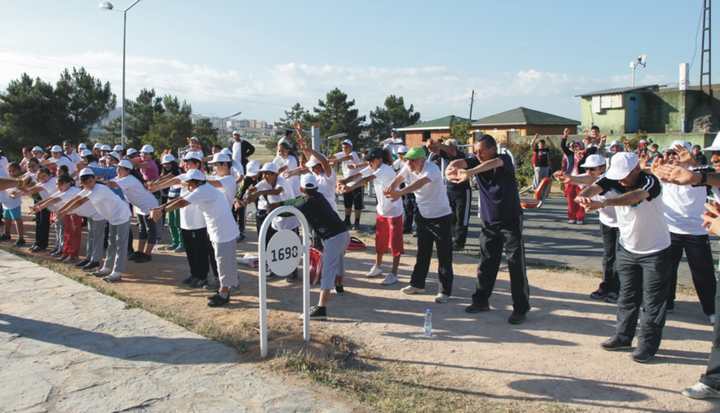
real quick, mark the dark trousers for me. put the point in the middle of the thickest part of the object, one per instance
(42, 228)
(240, 218)
(699, 256)
(460, 204)
(410, 207)
(644, 285)
(493, 240)
(433, 231)
(610, 283)
(197, 251)
(712, 374)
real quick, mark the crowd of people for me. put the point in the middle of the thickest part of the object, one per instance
(651, 206)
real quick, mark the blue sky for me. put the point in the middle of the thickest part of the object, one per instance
(262, 56)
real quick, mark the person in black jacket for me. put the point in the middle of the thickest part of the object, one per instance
(241, 149)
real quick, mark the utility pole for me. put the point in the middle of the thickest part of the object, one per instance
(472, 100)
(706, 66)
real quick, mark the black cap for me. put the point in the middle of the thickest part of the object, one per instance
(376, 153)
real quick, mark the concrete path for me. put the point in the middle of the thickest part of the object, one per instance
(64, 347)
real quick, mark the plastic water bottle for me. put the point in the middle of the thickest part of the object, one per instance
(428, 323)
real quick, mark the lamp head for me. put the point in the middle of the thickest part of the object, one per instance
(106, 5)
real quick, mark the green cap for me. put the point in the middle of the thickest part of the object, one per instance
(415, 153)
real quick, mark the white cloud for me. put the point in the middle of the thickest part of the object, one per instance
(435, 90)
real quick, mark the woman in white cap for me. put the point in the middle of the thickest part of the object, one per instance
(287, 160)
(221, 229)
(143, 201)
(324, 173)
(119, 149)
(170, 168)
(59, 159)
(116, 212)
(71, 223)
(148, 166)
(351, 165)
(222, 177)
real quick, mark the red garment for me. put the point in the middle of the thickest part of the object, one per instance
(72, 233)
(389, 235)
(575, 211)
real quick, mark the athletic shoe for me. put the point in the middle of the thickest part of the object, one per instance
(211, 284)
(477, 308)
(102, 272)
(292, 277)
(441, 298)
(375, 271)
(20, 242)
(642, 356)
(56, 253)
(339, 289)
(83, 263)
(410, 290)
(188, 281)
(356, 227)
(5, 237)
(580, 222)
(113, 277)
(598, 294)
(517, 318)
(61, 258)
(611, 298)
(711, 319)
(90, 266)
(141, 257)
(615, 343)
(179, 249)
(218, 300)
(241, 237)
(390, 279)
(701, 391)
(318, 313)
(571, 221)
(458, 247)
(670, 308)
(198, 283)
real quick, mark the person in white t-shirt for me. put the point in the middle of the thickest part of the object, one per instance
(143, 201)
(222, 177)
(351, 165)
(116, 211)
(43, 186)
(643, 259)
(59, 159)
(287, 160)
(71, 223)
(69, 150)
(389, 218)
(221, 229)
(684, 207)
(12, 208)
(434, 219)
(323, 171)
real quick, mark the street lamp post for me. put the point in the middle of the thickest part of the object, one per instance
(640, 61)
(109, 6)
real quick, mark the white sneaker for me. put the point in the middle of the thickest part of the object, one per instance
(711, 317)
(701, 391)
(390, 279)
(580, 222)
(102, 272)
(113, 277)
(441, 298)
(375, 271)
(410, 290)
(571, 221)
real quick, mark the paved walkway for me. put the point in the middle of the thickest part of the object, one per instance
(64, 347)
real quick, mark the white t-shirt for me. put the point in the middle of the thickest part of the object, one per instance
(642, 227)
(4, 164)
(74, 158)
(110, 206)
(294, 181)
(221, 225)
(229, 187)
(684, 208)
(347, 166)
(326, 186)
(432, 200)
(64, 198)
(398, 164)
(48, 187)
(87, 210)
(607, 215)
(278, 223)
(237, 152)
(384, 176)
(134, 191)
(9, 202)
(237, 170)
(190, 217)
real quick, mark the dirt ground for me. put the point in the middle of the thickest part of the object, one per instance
(554, 357)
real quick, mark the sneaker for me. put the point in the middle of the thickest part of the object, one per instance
(5, 237)
(179, 248)
(241, 237)
(189, 280)
(356, 227)
(113, 277)
(441, 298)
(701, 391)
(198, 283)
(458, 247)
(218, 300)
(61, 258)
(670, 308)
(642, 356)
(615, 343)
(571, 221)
(477, 308)
(410, 290)
(56, 253)
(375, 271)
(390, 279)
(517, 318)
(20, 242)
(339, 289)
(90, 266)
(211, 284)
(318, 313)
(611, 298)
(83, 263)
(711, 319)
(102, 272)
(141, 257)
(580, 222)
(292, 277)
(598, 294)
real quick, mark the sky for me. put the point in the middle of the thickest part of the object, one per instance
(261, 57)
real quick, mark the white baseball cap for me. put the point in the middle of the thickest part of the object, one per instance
(622, 164)
(85, 152)
(56, 149)
(118, 148)
(235, 132)
(126, 164)
(220, 157)
(685, 144)
(269, 167)
(715, 146)
(193, 156)
(105, 148)
(593, 161)
(86, 172)
(115, 155)
(98, 145)
(308, 181)
(167, 158)
(402, 149)
(312, 162)
(347, 142)
(37, 149)
(131, 152)
(253, 168)
(615, 143)
(226, 151)
(147, 149)
(193, 174)
(82, 146)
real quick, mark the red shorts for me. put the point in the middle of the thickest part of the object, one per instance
(389, 235)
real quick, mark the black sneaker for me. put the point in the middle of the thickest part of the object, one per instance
(339, 289)
(241, 237)
(598, 294)
(615, 343)
(141, 257)
(356, 227)
(56, 253)
(458, 247)
(477, 308)
(642, 356)
(611, 298)
(670, 307)
(5, 237)
(20, 242)
(83, 263)
(189, 280)
(197, 283)
(292, 277)
(318, 313)
(517, 318)
(91, 266)
(218, 300)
